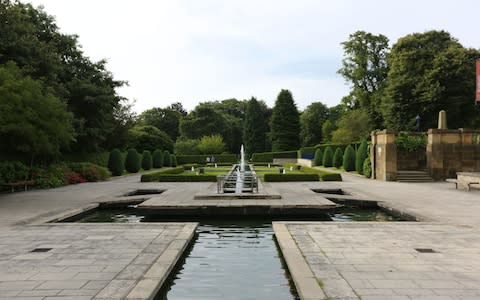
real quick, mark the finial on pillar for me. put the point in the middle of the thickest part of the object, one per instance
(442, 120)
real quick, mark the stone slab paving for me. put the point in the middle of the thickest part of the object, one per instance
(376, 261)
(89, 261)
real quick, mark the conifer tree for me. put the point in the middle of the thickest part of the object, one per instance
(285, 123)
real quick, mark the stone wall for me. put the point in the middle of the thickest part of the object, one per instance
(383, 153)
(281, 161)
(304, 162)
(411, 161)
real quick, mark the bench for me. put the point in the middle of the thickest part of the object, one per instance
(470, 184)
(24, 183)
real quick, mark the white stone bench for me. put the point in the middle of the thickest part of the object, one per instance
(473, 184)
(453, 180)
(469, 184)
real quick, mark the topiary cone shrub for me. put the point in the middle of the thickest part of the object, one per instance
(349, 159)
(157, 158)
(328, 157)
(115, 163)
(338, 158)
(146, 160)
(167, 160)
(132, 161)
(174, 160)
(361, 156)
(367, 167)
(317, 159)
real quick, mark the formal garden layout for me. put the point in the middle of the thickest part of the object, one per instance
(373, 198)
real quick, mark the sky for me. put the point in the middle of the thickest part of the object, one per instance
(196, 51)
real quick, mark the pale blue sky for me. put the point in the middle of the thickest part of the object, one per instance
(194, 51)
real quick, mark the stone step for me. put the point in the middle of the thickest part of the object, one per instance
(413, 176)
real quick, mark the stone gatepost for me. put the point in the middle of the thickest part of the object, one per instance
(384, 155)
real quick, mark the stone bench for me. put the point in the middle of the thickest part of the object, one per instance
(469, 184)
(24, 183)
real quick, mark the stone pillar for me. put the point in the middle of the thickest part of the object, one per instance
(444, 153)
(384, 153)
(442, 120)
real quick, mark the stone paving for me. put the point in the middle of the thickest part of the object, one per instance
(89, 261)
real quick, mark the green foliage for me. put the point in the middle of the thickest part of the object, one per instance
(360, 157)
(202, 159)
(149, 177)
(174, 160)
(349, 159)
(188, 167)
(146, 160)
(410, 142)
(115, 163)
(157, 158)
(13, 171)
(132, 161)
(185, 146)
(429, 72)
(365, 67)
(90, 172)
(149, 138)
(265, 157)
(331, 177)
(165, 119)
(328, 157)
(353, 126)
(212, 144)
(285, 123)
(318, 159)
(98, 158)
(328, 128)
(254, 129)
(270, 177)
(367, 167)
(51, 177)
(33, 121)
(167, 159)
(338, 158)
(311, 122)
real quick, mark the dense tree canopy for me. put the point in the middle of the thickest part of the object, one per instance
(311, 122)
(165, 119)
(285, 123)
(24, 127)
(149, 138)
(365, 67)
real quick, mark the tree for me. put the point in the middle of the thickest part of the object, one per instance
(285, 123)
(203, 121)
(360, 157)
(349, 159)
(354, 126)
(115, 163)
(184, 146)
(311, 123)
(365, 67)
(149, 138)
(33, 122)
(318, 158)
(178, 107)
(157, 158)
(212, 144)
(132, 161)
(429, 72)
(165, 119)
(338, 158)
(146, 160)
(254, 131)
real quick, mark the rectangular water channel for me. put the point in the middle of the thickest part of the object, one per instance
(232, 258)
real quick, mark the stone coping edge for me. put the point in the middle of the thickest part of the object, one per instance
(151, 282)
(303, 277)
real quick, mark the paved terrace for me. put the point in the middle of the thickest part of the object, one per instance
(436, 259)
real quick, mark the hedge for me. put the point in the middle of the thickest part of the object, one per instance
(338, 158)
(349, 159)
(151, 176)
(331, 177)
(309, 152)
(99, 158)
(318, 158)
(328, 157)
(146, 160)
(271, 177)
(202, 159)
(269, 156)
(132, 161)
(115, 163)
(167, 159)
(361, 155)
(157, 158)
(367, 167)
(179, 178)
(188, 167)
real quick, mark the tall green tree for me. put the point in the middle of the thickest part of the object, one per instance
(365, 68)
(254, 131)
(311, 122)
(33, 122)
(352, 127)
(429, 72)
(149, 138)
(285, 123)
(165, 119)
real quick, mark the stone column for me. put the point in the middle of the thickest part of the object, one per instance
(444, 153)
(384, 152)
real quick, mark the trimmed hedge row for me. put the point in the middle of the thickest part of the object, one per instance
(309, 152)
(269, 156)
(179, 178)
(271, 177)
(202, 159)
(331, 177)
(149, 177)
